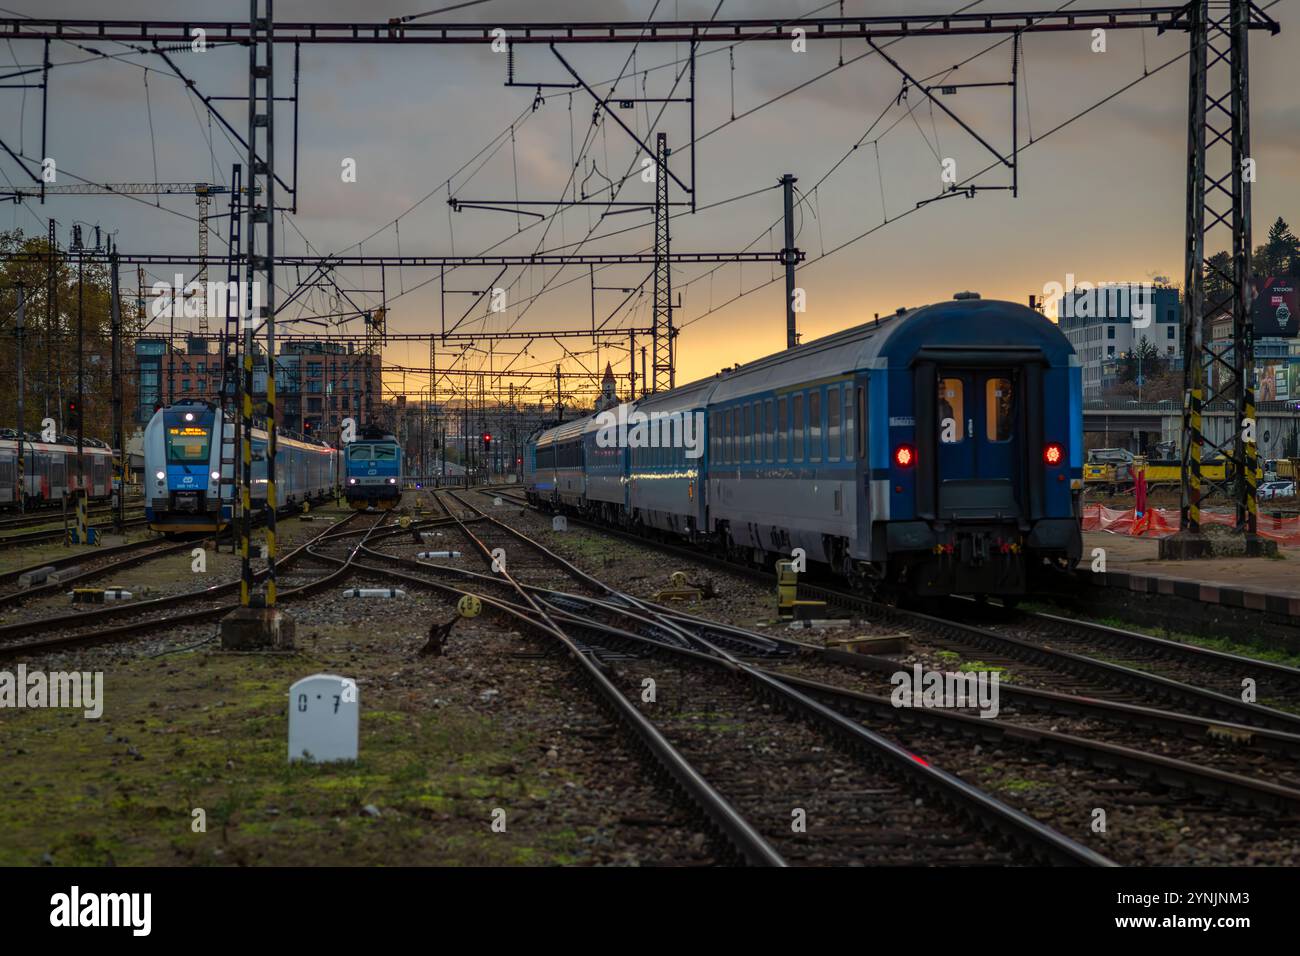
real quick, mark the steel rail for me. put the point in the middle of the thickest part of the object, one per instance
(82, 619)
(1148, 685)
(1154, 686)
(125, 561)
(1285, 739)
(738, 831)
(1023, 829)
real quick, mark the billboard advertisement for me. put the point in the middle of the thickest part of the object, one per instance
(1277, 308)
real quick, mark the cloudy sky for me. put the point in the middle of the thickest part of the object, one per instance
(1102, 198)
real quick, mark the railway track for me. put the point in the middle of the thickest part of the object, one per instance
(737, 710)
(20, 539)
(82, 568)
(99, 626)
(51, 515)
(934, 816)
(72, 560)
(1047, 667)
(1204, 755)
(1217, 670)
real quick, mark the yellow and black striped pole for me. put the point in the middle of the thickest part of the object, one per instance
(246, 469)
(83, 522)
(271, 503)
(1192, 506)
(1252, 463)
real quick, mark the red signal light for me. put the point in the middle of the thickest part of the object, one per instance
(1053, 454)
(905, 456)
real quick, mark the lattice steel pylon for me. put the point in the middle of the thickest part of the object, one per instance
(1219, 175)
(376, 326)
(663, 375)
(203, 199)
(260, 275)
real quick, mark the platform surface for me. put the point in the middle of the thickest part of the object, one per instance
(1140, 556)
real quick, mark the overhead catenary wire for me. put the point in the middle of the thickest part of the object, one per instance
(868, 232)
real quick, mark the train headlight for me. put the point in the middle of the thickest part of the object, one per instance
(216, 476)
(352, 481)
(1053, 454)
(905, 456)
(392, 481)
(161, 476)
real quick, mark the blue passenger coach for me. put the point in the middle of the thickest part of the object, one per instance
(936, 451)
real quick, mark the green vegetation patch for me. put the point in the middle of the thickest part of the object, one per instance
(206, 730)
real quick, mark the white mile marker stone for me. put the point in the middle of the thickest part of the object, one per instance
(559, 523)
(324, 719)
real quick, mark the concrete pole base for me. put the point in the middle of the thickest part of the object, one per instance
(1185, 546)
(1257, 547)
(257, 628)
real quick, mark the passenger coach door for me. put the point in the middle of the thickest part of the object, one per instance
(976, 416)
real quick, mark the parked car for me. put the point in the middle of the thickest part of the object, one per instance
(1276, 489)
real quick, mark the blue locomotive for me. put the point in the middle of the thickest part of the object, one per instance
(373, 470)
(187, 485)
(935, 451)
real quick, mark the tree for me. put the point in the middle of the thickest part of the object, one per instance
(1144, 360)
(1275, 256)
(50, 373)
(1218, 284)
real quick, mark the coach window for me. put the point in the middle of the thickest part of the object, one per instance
(796, 429)
(713, 436)
(849, 440)
(951, 411)
(747, 434)
(733, 433)
(728, 417)
(770, 428)
(833, 438)
(999, 411)
(783, 431)
(815, 425)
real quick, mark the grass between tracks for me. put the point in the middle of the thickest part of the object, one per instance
(1259, 651)
(206, 730)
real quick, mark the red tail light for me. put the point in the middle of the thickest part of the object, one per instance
(905, 456)
(1052, 454)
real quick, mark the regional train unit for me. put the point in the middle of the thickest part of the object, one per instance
(50, 470)
(373, 468)
(935, 451)
(183, 470)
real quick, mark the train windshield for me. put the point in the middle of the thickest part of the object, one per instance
(189, 436)
(372, 453)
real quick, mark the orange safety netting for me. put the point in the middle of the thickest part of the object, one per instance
(1159, 522)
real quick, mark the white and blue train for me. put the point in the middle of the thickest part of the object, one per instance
(936, 451)
(183, 471)
(373, 470)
